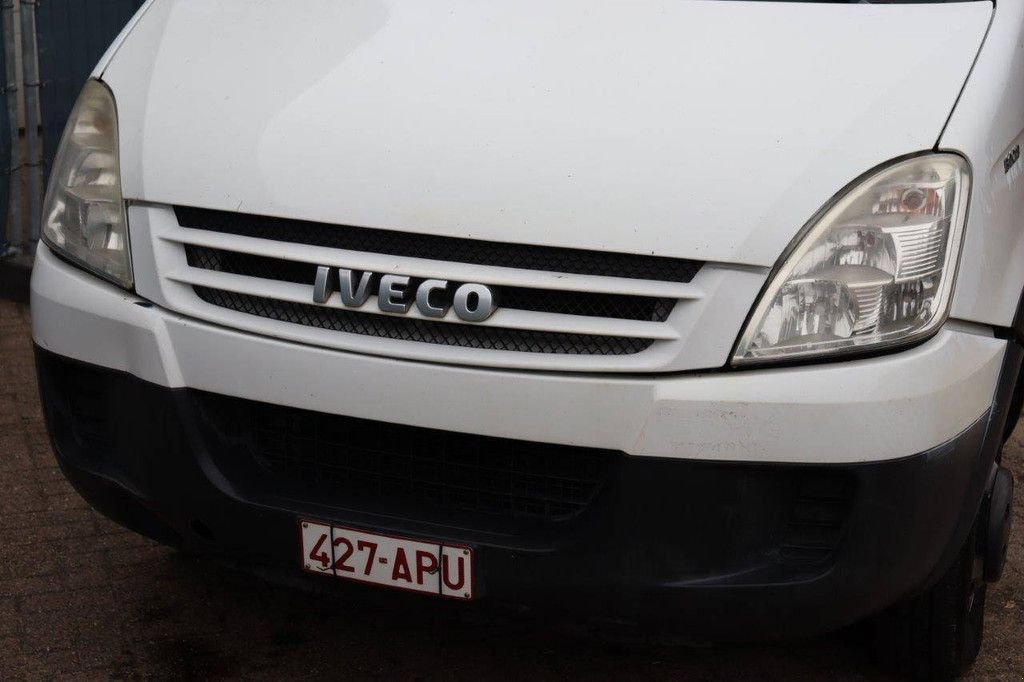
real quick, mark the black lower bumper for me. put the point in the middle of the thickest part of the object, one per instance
(712, 550)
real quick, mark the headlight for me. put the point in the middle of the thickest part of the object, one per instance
(83, 214)
(874, 269)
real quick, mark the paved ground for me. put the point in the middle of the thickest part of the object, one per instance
(80, 596)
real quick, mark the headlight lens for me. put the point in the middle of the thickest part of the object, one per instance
(83, 214)
(875, 269)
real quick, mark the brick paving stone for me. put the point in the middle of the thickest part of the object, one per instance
(10, 624)
(83, 599)
(26, 520)
(13, 538)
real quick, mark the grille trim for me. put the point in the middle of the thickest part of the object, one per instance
(718, 297)
(449, 249)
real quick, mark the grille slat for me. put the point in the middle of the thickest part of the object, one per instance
(453, 249)
(538, 300)
(422, 331)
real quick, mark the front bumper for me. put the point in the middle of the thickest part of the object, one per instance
(712, 550)
(732, 504)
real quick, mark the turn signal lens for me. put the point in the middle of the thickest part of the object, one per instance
(876, 269)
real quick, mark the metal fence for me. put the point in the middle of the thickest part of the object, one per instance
(8, 128)
(54, 45)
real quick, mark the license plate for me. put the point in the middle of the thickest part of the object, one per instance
(417, 565)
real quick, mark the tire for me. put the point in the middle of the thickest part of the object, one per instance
(937, 635)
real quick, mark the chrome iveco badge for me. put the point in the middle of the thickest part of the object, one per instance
(396, 294)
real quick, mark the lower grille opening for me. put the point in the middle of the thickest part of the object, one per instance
(80, 413)
(409, 329)
(405, 471)
(817, 518)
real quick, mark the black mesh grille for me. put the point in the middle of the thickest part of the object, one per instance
(521, 298)
(817, 517)
(371, 240)
(410, 329)
(405, 470)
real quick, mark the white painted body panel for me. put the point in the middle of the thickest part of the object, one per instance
(101, 66)
(705, 130)
(987, 124)
(864, 410)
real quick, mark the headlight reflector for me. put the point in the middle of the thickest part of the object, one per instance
(876, 268)
(83, 214)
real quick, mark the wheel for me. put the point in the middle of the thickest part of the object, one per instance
(937, 635)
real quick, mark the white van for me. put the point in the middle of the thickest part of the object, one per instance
(699, 315)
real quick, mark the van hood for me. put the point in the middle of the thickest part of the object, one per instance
(710, 130)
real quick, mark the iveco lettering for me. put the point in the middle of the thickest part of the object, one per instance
(698, 317)
(472, 302)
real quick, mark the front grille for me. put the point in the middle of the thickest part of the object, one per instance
(423, 331)
(549, 301)
(452, 249)
(520, 298)
(405, 471)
